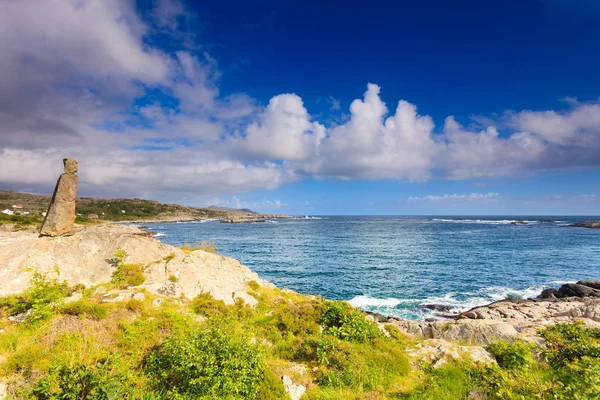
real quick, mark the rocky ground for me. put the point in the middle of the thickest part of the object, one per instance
(86, 257)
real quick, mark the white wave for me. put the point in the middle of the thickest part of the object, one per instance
(159, 234)
(368, 301)
(467, 300)
(484, 221)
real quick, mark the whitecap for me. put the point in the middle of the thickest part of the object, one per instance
(368, 301)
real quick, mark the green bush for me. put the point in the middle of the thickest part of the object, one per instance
(569, 342)
(348, 323)
(212, 362)
(205, 304)
(511, 355)
(126, 274)
(81, 382)
(41, 298)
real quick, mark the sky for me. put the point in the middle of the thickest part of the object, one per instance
(318, 108)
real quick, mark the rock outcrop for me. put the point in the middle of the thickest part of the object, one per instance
(438, 352)
(587, 224)
(480, 332)
(85, 257)
(61, 213)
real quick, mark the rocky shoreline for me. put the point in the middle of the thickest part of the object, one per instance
(508, 319)
(84, 257)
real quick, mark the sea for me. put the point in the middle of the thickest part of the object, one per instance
(400, 265)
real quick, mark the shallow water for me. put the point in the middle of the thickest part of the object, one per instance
(393, 265)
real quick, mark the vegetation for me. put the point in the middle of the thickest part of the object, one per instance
(209, 247)
(105, 209)
(126, 274)
(207, 349)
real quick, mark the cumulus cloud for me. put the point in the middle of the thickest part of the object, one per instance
(284, 132)
(456, 197)
(74, 81)
(371, 146)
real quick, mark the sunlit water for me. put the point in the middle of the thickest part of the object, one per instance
(394, 265)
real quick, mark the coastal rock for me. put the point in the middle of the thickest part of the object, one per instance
(587, 224)
(467, 331)
(549, 293)
(85, 257)
(438, 352)
(576, 290)
(589, 283)
(436, 307)
(118, 296)
(61, 213)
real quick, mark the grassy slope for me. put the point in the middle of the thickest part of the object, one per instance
(205, 349)
(135, 209)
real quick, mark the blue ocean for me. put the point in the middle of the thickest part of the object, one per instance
(396, 265)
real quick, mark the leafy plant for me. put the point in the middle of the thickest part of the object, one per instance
(347, 323)
(212, 362)
(511, 355)
(126, 274)
(81, 382)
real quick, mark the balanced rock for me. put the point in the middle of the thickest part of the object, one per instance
(61, 213)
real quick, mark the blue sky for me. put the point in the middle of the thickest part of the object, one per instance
(314, 108)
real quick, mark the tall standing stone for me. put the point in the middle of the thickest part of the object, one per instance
(61, 213)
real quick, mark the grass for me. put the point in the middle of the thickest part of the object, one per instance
(133, 350)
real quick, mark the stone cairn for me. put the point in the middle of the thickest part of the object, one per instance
(61, 213)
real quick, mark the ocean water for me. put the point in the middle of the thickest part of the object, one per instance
(396, 265)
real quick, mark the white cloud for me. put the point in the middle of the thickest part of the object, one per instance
(284, 132)
(71, 70)
(371, 147)
(456, 197)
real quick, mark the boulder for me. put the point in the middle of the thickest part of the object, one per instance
(438, 352)
(61, 213)
(576, 290)
(549, 293)
(479, 332)
(589, 283)
(86, 257)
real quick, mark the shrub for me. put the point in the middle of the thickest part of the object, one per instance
(569, 342)
(347, 323)
(81, 382)
(511, 355)
(205, 304)
(253, 285)
(173, 278)
(212, 362)
(41, 298)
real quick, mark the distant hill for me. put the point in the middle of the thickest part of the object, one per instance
(219, 208)
(121, 209)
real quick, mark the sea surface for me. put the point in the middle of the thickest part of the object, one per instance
(396, 265)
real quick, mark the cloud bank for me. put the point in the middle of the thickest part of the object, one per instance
(79, 78)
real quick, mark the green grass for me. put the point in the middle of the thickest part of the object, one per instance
(87, 349)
